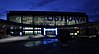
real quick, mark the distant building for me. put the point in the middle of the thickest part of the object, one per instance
(45, 22)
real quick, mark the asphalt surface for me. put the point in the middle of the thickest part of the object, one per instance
(49, 47)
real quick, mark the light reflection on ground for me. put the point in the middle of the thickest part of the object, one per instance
(41, 42)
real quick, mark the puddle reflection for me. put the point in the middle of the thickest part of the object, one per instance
(41, 42)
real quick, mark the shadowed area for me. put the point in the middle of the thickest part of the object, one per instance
(49, 46)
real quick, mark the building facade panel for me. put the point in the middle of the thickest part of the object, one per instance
(51, 19)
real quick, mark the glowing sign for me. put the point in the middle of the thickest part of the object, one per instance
(55, 18)
(59, 18)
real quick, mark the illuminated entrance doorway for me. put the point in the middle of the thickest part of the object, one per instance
(50, 32)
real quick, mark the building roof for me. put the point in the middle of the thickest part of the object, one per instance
(44, 13)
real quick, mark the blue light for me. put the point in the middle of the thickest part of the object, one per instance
(54, 40)
(11, 27)
(44, 42)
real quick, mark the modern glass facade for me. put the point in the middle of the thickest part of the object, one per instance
(50, 19)
(27, 19)
(17, 19)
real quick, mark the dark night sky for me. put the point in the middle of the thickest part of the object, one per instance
(91, 7)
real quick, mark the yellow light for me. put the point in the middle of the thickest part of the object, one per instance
(77, 31)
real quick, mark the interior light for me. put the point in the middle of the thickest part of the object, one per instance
(28, 31)
(77, 31)
(71, 33)
(75, 34)
(20, 33)
(50, 29)
(20, 27)
(12, 32)
(28, 28)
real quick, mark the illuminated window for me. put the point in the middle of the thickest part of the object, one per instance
(20, 33)
(11, 27)
(72, 20)
(37, 32)
(77, 21)
(15, 19)
(12, 32)
(28, 28)
(28, 32)
(60, 21)
(68, 22)
(39, 20)
(27, 19)
(37, 28)
(71, 33)
(50, 29)
(50, 21)
(75, 33)
(20, 27)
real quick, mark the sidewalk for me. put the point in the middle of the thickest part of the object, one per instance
(11, 39)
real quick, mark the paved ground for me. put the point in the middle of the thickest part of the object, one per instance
(47, 47)
(11, 39)
(18, 38)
